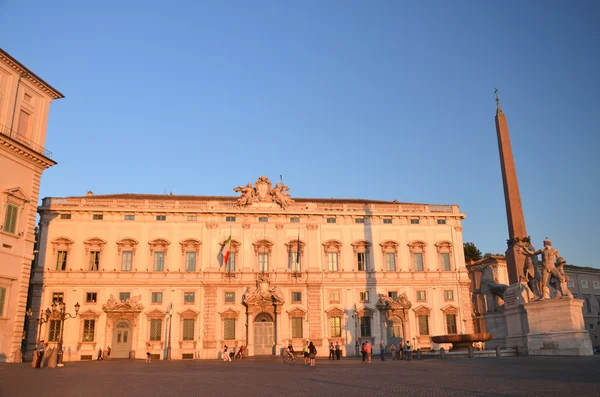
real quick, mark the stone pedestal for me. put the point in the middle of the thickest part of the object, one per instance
(495, 324)
(517, 326)
(556, 328)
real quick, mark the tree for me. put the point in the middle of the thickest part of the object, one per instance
(472, 253)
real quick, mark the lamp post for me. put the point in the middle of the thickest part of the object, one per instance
(62, 315)
(170, 314)
(356, 345)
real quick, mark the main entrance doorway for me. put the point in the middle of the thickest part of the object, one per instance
(394, 331)
(121, 343)
(263, 334)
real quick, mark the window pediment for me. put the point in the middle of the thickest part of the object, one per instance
(16, 194)
(156, 313)
(230, 313)
(62, 243)
(443, 246)
(159, 244)
(292, 246)
(361, 246)
(235, 244)
(190, 244)
(389, 246)
(450, 309)
(263, 245)
(89, 314)
(297, 312)
(127, 242)
(188, 313)
(365, 312)
(422, 310)
(332, 246)
(94, 242)
(417, 245)
(334, 312)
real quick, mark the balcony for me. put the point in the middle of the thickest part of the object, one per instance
(12, 134)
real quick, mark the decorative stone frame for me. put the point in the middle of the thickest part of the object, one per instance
(188, 314)
(263, 246)
(16, 197)
(334, 246)
(365, 312)
(190, 245)
(156, 314)
(417, 246)
(229, 314)
(389, 247)
(235, 248)
(296, 312)
(88, 314)
(444, 247)
(423, 310)
(292, 247)
(94, 244)
(159, 245)
(358, 247)
(61, 244)
(450, 309)
(126, 244)
(336, 312)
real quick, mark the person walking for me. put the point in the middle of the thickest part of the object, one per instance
(148, 355)
(306, 352)
(369, 350)
(393, 351)
(312, 353)
(338, 350)
(39, 361)
(363, 352)
(225, 354)
(108, 352)
(100, 355)
(382, 350)
(407, 352)
(331, 351)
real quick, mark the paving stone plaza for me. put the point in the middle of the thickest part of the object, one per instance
(510, 376)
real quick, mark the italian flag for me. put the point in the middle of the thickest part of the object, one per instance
(224, 252)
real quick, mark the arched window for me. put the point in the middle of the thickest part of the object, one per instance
(332, 250)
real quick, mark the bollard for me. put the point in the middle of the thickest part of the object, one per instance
(518, 350)
(498, 353)
(418, 354)
(470, 351)
(442, 353)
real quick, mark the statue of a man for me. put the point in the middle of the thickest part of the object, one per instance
(549, 256)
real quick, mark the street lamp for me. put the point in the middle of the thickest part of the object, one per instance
(62, 315)
(170, 313)
(356, 345)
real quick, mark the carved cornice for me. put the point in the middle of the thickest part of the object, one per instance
(23, 150)
(443, 245)
(61, 242)
(159, 243)
(127, 242)
(297, 312)
(188, 313)
(332, 246)
(30, 76)
(266, 244)
(190, 242)
(417, 245)
(361, 246)
(293, 244)
(365, 312)
(94, 242)
(422, 310)
(389, 245)
(334, 312)
(450, 309)
(229, 313)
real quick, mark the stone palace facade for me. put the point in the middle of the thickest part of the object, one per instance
(148, 272)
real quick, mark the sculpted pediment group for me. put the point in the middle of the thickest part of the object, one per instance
(262, 191)
(129, 305)
(263, 294)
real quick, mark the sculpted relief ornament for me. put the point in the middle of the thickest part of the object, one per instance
(263, 192)
(263, 294)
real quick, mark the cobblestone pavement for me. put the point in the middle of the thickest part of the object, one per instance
(524, 376)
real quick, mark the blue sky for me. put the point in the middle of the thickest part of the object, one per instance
(380, 100)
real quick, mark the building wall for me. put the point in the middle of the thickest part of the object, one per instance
(22, 161)
(204, 233)
(585, 285)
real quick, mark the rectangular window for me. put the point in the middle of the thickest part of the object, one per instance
(421, 295)
(263, 219)
(263, 262)
(192, 218)
(10, 218)
(159, 261)
(448, 295)
(297, 327)
(296, 297)
(54, 331)
(441, 221)
(596, 284)
(414, 221)
(129, 217)
(387, 221)
(390, 261)
(229, 329)
(58, 297)
(65, 216)
(364, 296)
(61, 260)
(335, 327)
(451, 323)
(588, 303)
(24, 122)
(393, 294)
(157, 297)
(584, 284)
(91, 297)
(161, 217)
(189, 297)
(126, 260)
(230, 297)
(334, 297)
(94, 264)
(230, 219)
(190, 261)
(359, 220)
(230, 265)
(330, 220)
(445, 259)
(155, 329)
(418, 261)
(365, 326)
(188, 329)
(89, 326)
(423, 325)
(97, 217)
(332, 258)
(2, 300)
(123, 296)
(295, 219)
(361, 260)
(294, 260)
(570, 283)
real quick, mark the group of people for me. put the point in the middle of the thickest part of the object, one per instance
(403, 351)
(335, 352)
(101, 356)
(227, 355)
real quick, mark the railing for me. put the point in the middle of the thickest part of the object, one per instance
(6, 131)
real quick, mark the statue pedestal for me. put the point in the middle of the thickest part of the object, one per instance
(495, 324)
(517, 326)
(556, 328)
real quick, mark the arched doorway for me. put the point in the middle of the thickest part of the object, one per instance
(121, 341)
(395, 332)
(263, 334)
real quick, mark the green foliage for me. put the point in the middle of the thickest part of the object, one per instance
(472, 253)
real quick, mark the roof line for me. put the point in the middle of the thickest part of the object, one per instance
(34, 78)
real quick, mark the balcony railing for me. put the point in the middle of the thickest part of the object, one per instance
(6, 131)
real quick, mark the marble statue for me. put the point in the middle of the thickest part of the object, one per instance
(490, 288)
(560, 284)
(262, 192)
(549, 256)
(247, 196)
(279, 195)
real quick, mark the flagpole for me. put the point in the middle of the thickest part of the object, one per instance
(229, 257)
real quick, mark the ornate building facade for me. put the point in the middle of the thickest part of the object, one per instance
(185, 275)
(24, 108)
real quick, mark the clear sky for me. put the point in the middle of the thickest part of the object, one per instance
(358, 99)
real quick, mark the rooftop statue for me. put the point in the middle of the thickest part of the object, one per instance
(262, 192)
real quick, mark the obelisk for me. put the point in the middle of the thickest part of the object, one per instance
(512, 197)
